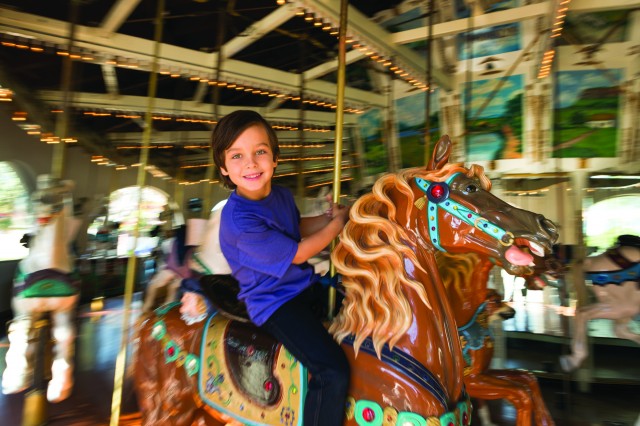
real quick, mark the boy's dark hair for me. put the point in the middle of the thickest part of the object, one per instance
(227, 131)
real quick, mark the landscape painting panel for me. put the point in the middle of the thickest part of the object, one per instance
(375, 148)
(411, 116)
(493, 115)
(586, 113)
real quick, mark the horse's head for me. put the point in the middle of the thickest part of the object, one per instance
(49, 198)
(547, 271)
(457, 213)
(497, 309)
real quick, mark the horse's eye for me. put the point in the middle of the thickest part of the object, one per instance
(471, 188)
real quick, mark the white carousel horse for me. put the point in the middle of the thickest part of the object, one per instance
(615, 275)
(43, 285)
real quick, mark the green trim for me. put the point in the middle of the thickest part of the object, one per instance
(49, 288)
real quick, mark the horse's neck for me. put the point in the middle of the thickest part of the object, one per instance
(603, 263)
(434, 327)
(423, 334)
(474, 292)
(467, 291)
(49, 248)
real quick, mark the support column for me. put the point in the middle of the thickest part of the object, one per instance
(579, 183)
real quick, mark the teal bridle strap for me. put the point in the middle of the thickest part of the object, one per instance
(437, 194)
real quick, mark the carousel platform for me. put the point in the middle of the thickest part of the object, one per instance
(532, 340)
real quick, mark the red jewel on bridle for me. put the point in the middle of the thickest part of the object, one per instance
(437, 191)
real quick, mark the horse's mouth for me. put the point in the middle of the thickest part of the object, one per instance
(522, 251)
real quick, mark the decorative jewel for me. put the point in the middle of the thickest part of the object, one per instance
(191, 364)
(349, 407)
(420, 202)
(368, 413)
(171, 351)
(159, 330)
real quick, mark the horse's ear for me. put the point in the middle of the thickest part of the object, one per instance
(440, 154)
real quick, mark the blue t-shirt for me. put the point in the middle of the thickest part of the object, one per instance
(259, 240)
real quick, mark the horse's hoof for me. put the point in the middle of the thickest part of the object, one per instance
(61, 382)
(14, 383)
(57, 391)
(567, 364)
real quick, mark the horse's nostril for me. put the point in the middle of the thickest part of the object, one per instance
(508, 314)
(549, 227)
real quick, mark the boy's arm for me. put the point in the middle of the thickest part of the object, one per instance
(312, 224)
(314, 242)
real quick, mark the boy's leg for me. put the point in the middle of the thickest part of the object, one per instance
(304, 336)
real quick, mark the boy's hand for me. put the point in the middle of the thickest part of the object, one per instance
(340, 212)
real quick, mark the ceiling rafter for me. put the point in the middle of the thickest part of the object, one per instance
(516, 14)
(174, 57)
(378, 38)
(98, 101)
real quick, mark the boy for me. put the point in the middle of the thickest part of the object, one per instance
(261, 236)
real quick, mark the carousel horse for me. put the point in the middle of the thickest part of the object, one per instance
(42, 285)
(395, 323)
(475, 307)
(615, 279)
(175, 268)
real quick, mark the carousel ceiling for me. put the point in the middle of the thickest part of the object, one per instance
(279, 57)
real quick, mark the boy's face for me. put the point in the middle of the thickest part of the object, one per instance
(249, 163)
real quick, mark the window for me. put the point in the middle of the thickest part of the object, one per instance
(16, 218)
(607, 219)
(114, 232)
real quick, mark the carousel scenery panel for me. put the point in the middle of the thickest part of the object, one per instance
(411, 117)
(493, 116)
(375, 147)
(586, 113)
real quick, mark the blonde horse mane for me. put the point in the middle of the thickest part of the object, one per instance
(374, 248)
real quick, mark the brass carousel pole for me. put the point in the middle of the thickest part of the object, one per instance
(337, 162)
(427, 118)
(34, 411)
(131, 265)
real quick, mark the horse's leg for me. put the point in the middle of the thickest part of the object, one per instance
(172, 289)
(64, 332)
(482, 410)
(159, 280)
(579, 341)
(18, 374)
(486, 386)
(527, 379)
(623, 331)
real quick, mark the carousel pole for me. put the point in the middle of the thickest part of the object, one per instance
(337, 162)
(131, 265)
(211, 169)
(35, 401)
(427, 118)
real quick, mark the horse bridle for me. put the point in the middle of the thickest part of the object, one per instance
(437, 195)
(630, 270)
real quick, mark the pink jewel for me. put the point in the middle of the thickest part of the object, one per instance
(268, 386)
(368, 414)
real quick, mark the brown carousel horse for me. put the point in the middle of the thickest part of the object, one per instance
(615, 279)
(475, 306)
(395, 323)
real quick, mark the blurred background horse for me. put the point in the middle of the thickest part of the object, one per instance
(475, 307)
(615, 279)
(43, 285)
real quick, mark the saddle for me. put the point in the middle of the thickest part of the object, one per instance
(222, 291)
